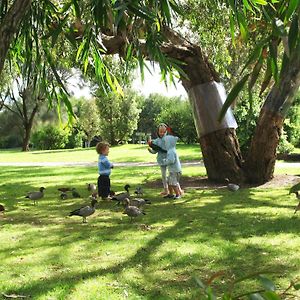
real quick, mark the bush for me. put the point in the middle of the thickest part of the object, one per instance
(284, 147)
(49, 138)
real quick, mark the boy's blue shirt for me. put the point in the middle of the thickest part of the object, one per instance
(104, 165)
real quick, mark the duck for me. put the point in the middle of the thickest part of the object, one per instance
(231, 186)
(139, 191)
(36, 195)
(121, 196)
(84, 211)
(94, 196)
(298, 197)
(75, 194)
(64, 189)
(2, 208)
(132, 211)
(138, 202)
(91, 187)
(63, 196)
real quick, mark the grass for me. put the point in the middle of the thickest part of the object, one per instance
(124, 153)
(47, 255)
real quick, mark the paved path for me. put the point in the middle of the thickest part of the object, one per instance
(122, 164)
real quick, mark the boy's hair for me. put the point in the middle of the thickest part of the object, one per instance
(101, 146)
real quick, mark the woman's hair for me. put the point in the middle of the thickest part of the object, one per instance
(166, 126)
(101, 146)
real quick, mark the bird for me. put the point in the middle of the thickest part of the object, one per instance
(121, 196)
(232, 186)
(91, 187)
(75, 194)
(36, 195)
(298, 197)
(132, 211)
(64, 189)
(138, 202)
(295, 188)
(2, 208)
(84, 211)
(63, 196)
(139, 191)
(94, 196)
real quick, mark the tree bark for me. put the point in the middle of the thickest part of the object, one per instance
(10, 26)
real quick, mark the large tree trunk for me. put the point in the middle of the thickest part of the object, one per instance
(10, 26)
(218, 140)
(261, 159)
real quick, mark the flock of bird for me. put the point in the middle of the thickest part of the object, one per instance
(133, 206)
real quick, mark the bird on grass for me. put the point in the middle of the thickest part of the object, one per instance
(132, 211)
(64, 189)
(91, 187)
(121, 196)
(63, 196)
(36, 195)
(75, 194)
(84, 211)
(2, 208)
(295, 190)
(139, 191)
(138, 202)
(231, 186)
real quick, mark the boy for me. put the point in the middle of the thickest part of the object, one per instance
(104, 167)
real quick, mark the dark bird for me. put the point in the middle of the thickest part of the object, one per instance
(121, 196)
(2, 208)
(64, 189)
(36, 195)
(75, 194)
(94, 196)
(132, 211)
(139, 191)
(84, 211)
(91, 187)
(63, 196)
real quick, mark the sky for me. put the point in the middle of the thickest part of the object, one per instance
(151, 84)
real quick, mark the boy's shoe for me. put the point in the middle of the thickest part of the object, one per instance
(177, 197)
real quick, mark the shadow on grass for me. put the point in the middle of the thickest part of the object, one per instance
(222, 224)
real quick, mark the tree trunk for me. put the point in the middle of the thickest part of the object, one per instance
(26, 138)
(218, 140)
(10, 26)
(260, 163)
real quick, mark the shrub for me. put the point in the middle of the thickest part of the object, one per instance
(49, 138)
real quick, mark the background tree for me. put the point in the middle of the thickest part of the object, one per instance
(88, 119)
(118, 116)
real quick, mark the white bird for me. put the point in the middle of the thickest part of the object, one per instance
(84, 211)
(36, 195)
(132, 211)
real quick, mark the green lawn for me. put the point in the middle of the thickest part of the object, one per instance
(47, 255)
(124, 153)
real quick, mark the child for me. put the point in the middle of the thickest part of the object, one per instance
(104, 167)
(174, 167)
(156, 147)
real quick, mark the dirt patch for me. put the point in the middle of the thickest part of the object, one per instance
(204, 183)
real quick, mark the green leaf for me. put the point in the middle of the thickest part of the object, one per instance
(293, 4)
(267, 283)
(273, 57)
(267, 77)
(256, 296)
(269, 295)
(296, 286)
(199, 282)
(293, 33)
(261, 2)
(255, 73)
(232, 28)
(232, 96)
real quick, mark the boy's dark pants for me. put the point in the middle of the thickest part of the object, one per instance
(103, 186)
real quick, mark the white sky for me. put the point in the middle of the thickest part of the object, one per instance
(152, 84)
